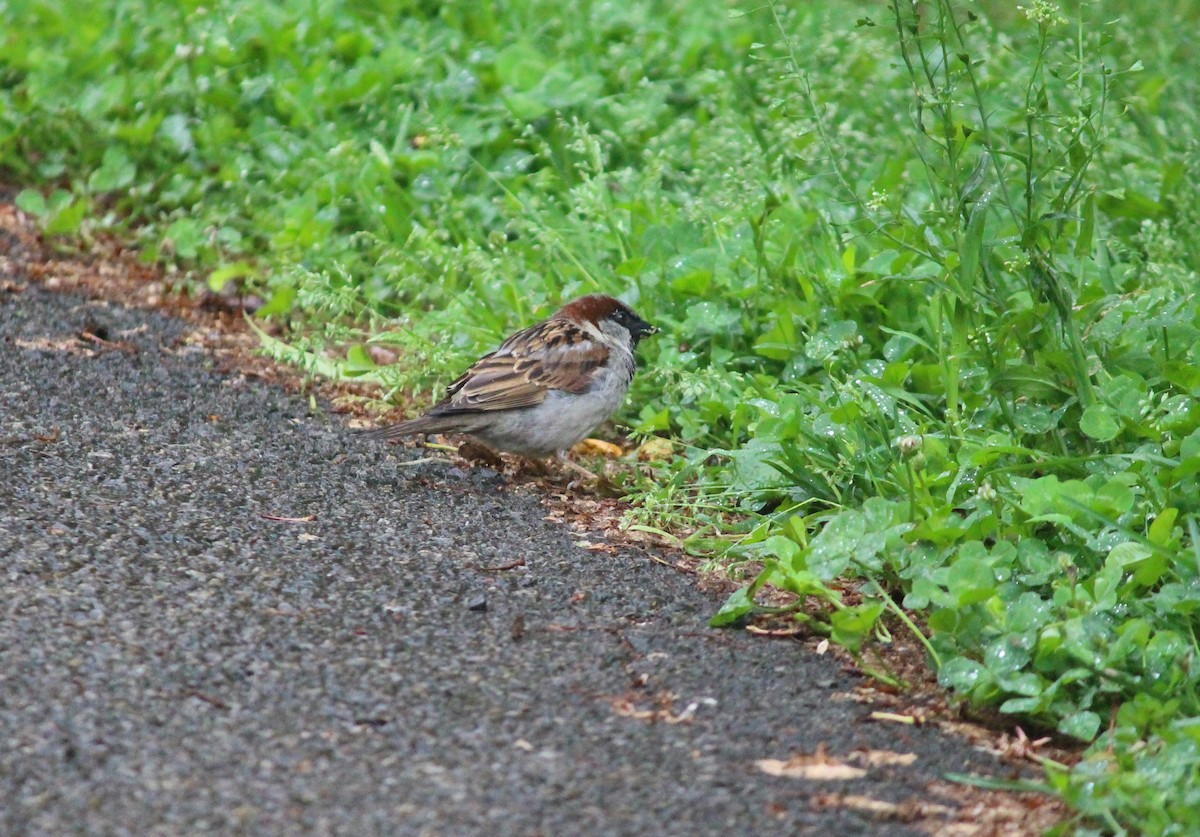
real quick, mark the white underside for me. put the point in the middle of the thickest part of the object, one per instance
(561, 421)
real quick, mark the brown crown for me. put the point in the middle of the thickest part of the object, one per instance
(591, 308)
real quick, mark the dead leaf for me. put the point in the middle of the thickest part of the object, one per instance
(382, 355)
(774, 632)
(45, 344)
(655, 449)
(819, 767)
(592, 546)
(917, 810)
(858, 803)
(882, 758)
(1019, 747)
(662, 713)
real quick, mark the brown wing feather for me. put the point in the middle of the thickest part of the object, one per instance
(555, 354)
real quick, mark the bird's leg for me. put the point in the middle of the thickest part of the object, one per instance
(570, 465)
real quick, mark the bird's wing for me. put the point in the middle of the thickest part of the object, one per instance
(555, 354)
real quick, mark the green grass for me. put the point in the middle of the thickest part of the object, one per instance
(927, 286)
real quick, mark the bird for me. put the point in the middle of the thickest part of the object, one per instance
(546, 387)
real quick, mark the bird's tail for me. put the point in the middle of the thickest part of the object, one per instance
(423, 424)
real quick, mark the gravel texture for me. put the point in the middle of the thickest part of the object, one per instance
(172, 662)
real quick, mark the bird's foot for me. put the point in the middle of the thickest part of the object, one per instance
(584, 476)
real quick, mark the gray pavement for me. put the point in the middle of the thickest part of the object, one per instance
(172, 662)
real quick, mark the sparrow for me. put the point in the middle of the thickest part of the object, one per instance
(546, 387)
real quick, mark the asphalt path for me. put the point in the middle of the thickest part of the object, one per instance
(174, 661)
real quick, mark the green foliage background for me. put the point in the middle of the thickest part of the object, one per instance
(926, 276)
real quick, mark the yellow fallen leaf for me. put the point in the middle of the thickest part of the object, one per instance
(597, 447)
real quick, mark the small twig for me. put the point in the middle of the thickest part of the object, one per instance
(677, 567)
(374, 723)
(420, 461)
(108, 344)
(895, 718)
(308, 518)
(209, 699)
(520, 562)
